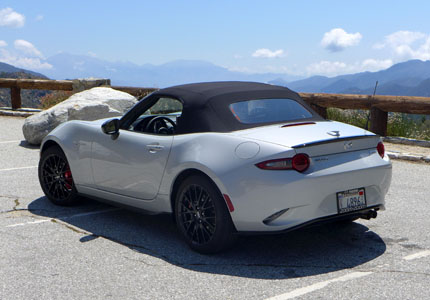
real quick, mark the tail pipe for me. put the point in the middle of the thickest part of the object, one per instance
(371, 214)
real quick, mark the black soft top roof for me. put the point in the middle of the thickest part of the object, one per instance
(206, 105)
(198, 94)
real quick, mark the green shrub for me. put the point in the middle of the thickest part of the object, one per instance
(399, 124)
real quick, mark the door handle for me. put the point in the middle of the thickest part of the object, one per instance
(154, 147)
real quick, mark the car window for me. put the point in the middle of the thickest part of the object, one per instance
(165, 106)
(268, 111)
(161, 118)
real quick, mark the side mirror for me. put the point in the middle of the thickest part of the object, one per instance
(111, 127)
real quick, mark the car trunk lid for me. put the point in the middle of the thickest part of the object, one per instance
(314, 138)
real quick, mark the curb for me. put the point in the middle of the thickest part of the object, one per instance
(406, 141)
(408, 157)
(21, 112)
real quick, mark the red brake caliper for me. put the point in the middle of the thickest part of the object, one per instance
(69, 179)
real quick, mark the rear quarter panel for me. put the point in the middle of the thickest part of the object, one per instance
(216, 155)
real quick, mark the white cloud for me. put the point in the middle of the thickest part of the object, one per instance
(403, 37)
(277, 68)
(240, 69)
(32, 63)
(92, 54)
(27, 48)
(327, 68)
(10, 18)
(267, 53)
(24, 55)
(376, 65)
(407, 45)
(338, 39)
(334, 68)
(39, 18)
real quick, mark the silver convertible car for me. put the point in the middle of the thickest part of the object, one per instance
(223, 158)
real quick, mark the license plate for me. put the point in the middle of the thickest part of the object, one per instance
(351, 200)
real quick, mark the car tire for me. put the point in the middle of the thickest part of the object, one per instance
(56, 178)
(202, 216)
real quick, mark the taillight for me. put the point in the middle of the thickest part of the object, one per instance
(381, 149)
(299, 162)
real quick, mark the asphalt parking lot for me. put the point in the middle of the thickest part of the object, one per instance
(96, 251)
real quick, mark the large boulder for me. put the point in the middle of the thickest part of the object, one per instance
(93, 104)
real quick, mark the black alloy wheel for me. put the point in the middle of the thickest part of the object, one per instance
(56, 178)
(202, 216)
(197, 212)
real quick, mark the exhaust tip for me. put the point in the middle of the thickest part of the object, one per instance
(371, 214)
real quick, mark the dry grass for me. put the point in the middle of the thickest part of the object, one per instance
(54, 98)
(399, 124)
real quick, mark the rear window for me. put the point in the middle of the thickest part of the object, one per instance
(268, 111)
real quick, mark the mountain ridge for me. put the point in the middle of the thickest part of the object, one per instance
(175, 72)
(406, 78)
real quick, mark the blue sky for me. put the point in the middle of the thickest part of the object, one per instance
(297, 37)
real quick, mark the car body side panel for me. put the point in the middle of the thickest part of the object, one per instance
(131, 164)
(160, 204)
(216, 155)
(75, 139)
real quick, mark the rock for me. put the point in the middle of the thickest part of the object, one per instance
(89, 105)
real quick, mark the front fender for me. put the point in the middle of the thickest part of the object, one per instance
(75, 139)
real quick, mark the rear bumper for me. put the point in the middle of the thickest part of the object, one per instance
(257, 194)
(320, 221)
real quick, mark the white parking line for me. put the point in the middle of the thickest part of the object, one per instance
(28, 223)
(417, 255)
(7, 142)
(319, 285)
(20, 168)
(67, 217)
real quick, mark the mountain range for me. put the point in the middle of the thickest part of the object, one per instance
(66, 65)
(410, 78)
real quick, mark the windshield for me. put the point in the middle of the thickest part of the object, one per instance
(268, 111)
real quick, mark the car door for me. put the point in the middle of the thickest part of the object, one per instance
(130, 165)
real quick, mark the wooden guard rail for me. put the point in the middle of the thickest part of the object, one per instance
(379, 106)
(15, 86)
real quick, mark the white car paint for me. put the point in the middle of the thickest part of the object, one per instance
(129, 171)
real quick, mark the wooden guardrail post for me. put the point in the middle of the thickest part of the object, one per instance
(378, 121)
(15, 97)
(322, 111)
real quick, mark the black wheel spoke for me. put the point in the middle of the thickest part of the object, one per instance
(57, 184)
(197, 214)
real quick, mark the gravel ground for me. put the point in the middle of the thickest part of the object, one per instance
(95, 251)
(415, 150)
